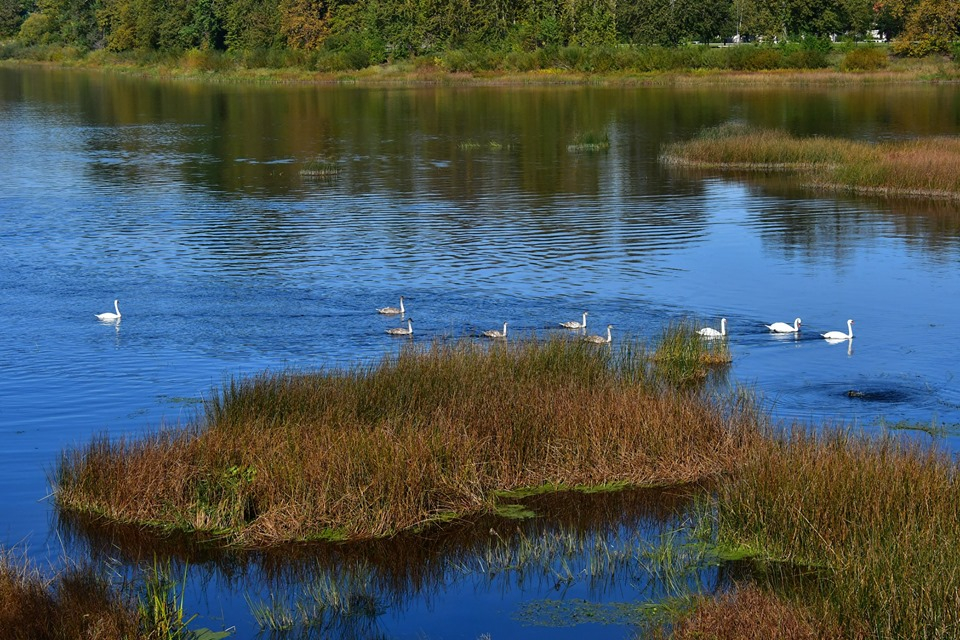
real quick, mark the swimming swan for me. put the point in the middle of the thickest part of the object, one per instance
(840, 335)
(595, 339)
(393, 311)
(107, 317)
(783, 327)
(573, 324)
(709, 332)
(400, 331)
(493, 333)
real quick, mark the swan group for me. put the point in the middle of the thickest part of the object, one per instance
(109, 317)
(706, 332)
(497, 334)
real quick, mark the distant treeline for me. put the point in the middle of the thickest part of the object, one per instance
(357, 33)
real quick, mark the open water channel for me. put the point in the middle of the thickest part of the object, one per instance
(188, 203)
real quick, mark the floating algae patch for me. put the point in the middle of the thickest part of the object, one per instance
(568, 613)
(515, 511)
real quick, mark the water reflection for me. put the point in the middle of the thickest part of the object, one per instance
(848, 341)
(601, 547)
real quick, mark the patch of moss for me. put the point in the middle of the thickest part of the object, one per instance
(514, 511)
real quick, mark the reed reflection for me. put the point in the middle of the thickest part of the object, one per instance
(596, 543)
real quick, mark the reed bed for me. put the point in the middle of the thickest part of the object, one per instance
(750, 613)
(878, 521)
(683, 357)
(425, 435)
(925, 167)
(75, 604)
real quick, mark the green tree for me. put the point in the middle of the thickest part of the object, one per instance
(70, 22)
(205, 29)
(254, 24)
(648, 22)
(861, 17)
(304, 23)
(703, 20)
(12, 15)
(930, 26)
(591, 22)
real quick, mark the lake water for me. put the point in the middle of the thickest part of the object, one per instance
(187, 203)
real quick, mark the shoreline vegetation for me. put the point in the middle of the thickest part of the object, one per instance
(750, 65)
(915, 168)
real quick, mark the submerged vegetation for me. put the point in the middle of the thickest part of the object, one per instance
(423, 435)
(590, 141)
(926, 167)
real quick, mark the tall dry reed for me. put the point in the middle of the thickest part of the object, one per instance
(420, 436)
(878, 519)
(924, 167)
(77, 603)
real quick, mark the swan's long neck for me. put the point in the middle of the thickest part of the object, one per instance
(410, 325)
(116, 307)
(401, 305)
(723, 326)
(796, 324)
(504, 329)
(849, 329)
(609, 335)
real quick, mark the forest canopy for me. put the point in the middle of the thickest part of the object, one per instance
(372, 31)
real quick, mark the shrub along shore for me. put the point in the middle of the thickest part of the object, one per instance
(919, 168)
(789, 63)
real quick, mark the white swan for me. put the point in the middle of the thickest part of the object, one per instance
(393, 311)
(573, 324)
(107, 317)
(709, 332)
(840, 335)
(783, 327)
(595, 339)
(400, 331)
(493, 333)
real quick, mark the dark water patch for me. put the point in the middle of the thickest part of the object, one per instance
(880, 395)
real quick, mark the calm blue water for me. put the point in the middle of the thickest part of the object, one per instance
(187, 204)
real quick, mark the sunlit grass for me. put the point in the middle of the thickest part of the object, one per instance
(924, 167)
(422, 435)
(878, 518)
(682, 356)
